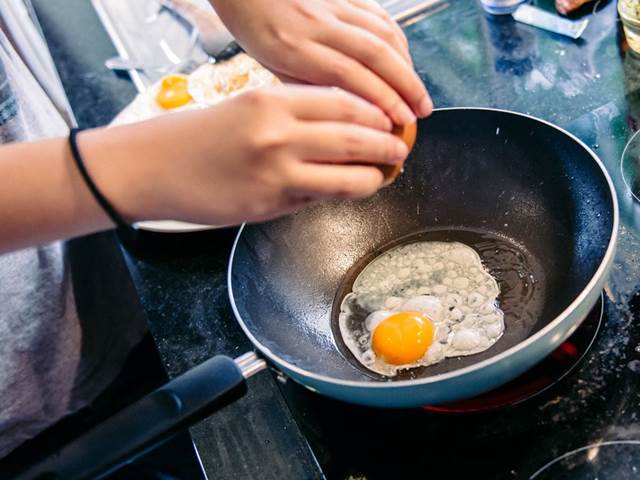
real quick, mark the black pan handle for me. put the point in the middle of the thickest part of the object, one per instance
(151, 420)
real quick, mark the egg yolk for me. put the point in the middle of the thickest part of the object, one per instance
(403, 337)
(173, 92)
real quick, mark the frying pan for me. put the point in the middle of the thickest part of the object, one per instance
(533, 200)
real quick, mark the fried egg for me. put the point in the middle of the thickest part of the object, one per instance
(207, 85)
(417, 304)
(211, 83)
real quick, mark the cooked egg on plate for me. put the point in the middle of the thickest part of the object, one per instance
(207, 85)
(417, 304)
(213, 82)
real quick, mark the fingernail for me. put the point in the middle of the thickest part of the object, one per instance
(388, 124)
(425, 107)
(401, 151)
(404, 114)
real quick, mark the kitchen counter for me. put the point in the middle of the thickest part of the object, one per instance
(467, 58)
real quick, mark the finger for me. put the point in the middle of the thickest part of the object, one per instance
(374, 23)
(290, 202)
(335, 181)
(326, 104)
(377, 9)
(385, 16)
(563, 7)
(347, 143)
(384, 61)
(297, 200)
(342, 71)
(284, 78)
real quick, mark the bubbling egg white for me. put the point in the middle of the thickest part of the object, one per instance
(442, 281)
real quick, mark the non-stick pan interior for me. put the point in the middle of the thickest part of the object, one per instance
(474, 175)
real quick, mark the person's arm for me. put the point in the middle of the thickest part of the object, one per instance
(351, 44)
(256, 156)
(43, 196)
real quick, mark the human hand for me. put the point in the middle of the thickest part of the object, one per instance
(212, 33)
(253, 157)
(567, 6)
(351, 44)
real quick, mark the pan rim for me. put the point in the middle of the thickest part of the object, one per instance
(626, 182)
(559, 319)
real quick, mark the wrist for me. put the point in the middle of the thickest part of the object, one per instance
(118, 165)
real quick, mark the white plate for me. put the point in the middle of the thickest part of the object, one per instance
(173, 226)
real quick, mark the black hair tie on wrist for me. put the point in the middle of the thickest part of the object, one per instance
(100, 198)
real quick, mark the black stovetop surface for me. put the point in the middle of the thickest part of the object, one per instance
(280, 430)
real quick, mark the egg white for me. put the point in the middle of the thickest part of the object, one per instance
(213, 82)
(445, 281)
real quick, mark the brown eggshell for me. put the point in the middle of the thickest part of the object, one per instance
(408, 134)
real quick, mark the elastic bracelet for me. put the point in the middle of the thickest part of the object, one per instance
(115, 217)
